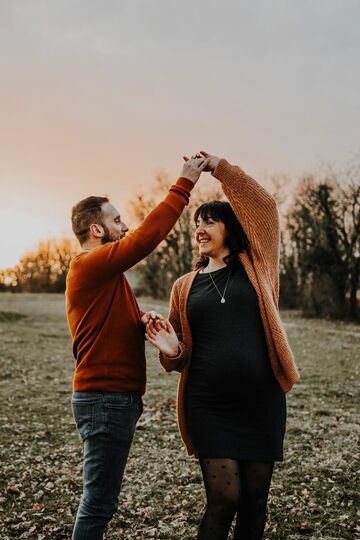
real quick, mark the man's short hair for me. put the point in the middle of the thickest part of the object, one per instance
(84, 213)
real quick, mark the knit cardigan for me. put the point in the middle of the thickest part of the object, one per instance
(257, 212)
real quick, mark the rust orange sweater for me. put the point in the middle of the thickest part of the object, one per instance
(257, 212)
(102, 312)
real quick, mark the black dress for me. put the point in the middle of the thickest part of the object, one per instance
(234, 406)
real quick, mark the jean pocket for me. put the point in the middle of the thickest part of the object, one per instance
(84, 413)
(122, 400)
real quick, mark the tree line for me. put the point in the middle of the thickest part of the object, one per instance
(41, 270)
(319, 257)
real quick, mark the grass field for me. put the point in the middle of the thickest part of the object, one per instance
(314, 491)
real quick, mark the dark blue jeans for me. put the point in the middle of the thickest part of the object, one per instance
(106, 424)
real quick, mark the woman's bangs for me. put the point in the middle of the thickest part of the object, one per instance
(207, 211)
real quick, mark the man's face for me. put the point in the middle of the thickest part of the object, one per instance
(114, 227)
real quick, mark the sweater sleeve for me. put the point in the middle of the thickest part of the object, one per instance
(113, 258)
(176, 363)
(257, 212)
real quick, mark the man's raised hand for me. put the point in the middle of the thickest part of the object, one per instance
(193, 167)
(212, 160)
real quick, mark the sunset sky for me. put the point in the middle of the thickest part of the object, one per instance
(97, 97)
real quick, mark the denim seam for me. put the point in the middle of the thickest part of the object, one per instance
(120, 407)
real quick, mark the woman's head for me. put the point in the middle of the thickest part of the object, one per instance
(218, 233)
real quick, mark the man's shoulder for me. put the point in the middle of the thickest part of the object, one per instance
(80, 273)
(74, 266)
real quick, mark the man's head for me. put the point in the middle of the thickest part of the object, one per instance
(97, 221)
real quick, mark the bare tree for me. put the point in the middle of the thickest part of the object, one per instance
(324, 228)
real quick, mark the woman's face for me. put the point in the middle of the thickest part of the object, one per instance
(210, 237)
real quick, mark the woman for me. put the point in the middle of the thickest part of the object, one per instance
(225, 336)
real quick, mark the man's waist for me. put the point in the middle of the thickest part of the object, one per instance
(109, 386)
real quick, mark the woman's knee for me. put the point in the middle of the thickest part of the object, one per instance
(227, 500)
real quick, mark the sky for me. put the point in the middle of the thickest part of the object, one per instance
(96, 98)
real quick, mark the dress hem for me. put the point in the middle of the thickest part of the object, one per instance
(245, 457)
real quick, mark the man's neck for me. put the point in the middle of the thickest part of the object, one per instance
(88, 246)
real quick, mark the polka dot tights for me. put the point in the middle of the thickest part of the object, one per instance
(235, 487)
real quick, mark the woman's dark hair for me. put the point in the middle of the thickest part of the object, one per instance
(235, 239)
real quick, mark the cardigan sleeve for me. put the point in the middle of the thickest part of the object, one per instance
(178, 362)
(257, 212)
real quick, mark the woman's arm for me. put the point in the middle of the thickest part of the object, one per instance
(255, 209)
(172, 351)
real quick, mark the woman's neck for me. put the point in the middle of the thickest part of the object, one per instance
(215, 263)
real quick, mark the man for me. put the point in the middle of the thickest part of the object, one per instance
(108, 328)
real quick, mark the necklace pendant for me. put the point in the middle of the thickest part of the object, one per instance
(222, 300)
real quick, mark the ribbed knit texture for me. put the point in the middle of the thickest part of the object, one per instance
(103, 315)
(257, 212)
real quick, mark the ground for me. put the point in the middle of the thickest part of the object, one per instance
(314, 492)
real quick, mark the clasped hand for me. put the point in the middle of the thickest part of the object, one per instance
(162, 335)
(198, 163)
(152, 316)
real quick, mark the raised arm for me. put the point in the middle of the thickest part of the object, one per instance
(255, 209)
(113, 258)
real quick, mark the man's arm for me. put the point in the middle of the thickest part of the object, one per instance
(114, 258)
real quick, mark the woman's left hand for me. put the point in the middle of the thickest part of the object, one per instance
(163, 337)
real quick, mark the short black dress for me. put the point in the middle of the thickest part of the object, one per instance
(234, 406)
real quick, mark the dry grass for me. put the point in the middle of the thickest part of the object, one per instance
(314, 492)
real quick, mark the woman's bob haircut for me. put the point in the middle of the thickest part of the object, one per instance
(235, 239)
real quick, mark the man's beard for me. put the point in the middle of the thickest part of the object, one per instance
(107, 236)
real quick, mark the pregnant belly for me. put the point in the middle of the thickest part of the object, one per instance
(230, 373)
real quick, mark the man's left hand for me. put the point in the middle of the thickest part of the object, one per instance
(153, 317)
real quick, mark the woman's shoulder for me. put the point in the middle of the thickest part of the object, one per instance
(183, 280)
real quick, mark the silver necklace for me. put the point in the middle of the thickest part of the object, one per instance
(222, 296)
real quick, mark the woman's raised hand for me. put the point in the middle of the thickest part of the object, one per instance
(193, 167)
(164, 339)
(212, 161)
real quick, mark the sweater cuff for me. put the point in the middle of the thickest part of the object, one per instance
(184, 187)
(223, 170)
(170, 358)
